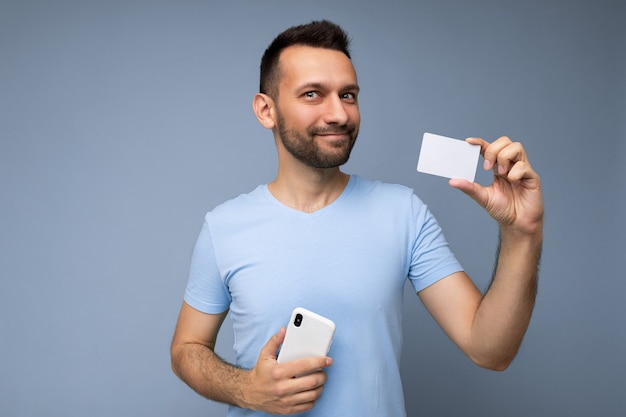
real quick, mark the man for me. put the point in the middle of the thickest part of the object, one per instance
(343, 247)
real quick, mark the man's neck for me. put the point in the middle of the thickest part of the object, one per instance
(309, 190)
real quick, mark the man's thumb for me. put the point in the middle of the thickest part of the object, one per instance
(472, 189)
(272, 345)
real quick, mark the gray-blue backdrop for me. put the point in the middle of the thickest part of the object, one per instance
(122, 122)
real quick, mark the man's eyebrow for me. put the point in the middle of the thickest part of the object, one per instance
(322, 86)
(352, 87)
(312, 86)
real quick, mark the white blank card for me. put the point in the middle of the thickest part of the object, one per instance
(447, 157)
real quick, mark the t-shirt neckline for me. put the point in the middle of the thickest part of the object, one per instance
(317, 213)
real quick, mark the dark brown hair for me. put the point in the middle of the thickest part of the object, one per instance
(317, 34)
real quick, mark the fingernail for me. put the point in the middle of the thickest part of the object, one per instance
(500, 169)
(487, 165)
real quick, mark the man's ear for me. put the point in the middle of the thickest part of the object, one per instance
(263, 107)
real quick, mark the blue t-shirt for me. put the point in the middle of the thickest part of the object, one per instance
(348, 261)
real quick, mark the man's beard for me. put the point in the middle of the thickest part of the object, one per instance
(305, 149)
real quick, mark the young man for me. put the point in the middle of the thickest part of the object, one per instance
(343, 247)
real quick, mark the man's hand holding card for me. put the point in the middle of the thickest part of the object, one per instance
(514, 198)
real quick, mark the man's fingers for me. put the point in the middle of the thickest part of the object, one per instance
(503, 154)
(299, 393)
(306, 366)
(521, 171)
(286, 388)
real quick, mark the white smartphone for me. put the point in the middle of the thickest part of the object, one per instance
(308, 335)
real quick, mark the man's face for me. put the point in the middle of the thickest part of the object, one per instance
(317, 110)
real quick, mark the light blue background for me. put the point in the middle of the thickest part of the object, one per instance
(121, 123)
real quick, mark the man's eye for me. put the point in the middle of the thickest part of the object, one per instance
(348, 96)
(311, 94)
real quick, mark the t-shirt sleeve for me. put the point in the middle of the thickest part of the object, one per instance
(206, 290)
(431, 256)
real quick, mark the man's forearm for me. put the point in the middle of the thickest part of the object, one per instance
(269, 387)
(207, 374)
(505, 311)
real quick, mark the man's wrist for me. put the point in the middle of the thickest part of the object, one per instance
(529, 233)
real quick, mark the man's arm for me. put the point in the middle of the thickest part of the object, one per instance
(490, 328)
(269, 386)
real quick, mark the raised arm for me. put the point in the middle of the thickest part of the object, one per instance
(269, 386)
(490, 328)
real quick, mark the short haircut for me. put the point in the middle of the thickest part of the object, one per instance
(317, 34)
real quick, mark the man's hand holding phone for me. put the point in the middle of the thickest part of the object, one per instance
(293, 386)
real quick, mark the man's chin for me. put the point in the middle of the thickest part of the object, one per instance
(329, 161)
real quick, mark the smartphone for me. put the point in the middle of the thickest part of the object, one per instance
(308, 335)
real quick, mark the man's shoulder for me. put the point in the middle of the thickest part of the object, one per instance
(240, 204)
(380, 188)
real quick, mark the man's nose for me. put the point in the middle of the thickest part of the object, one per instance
(335, 112)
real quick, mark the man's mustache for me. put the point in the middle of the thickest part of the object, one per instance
(343, 130)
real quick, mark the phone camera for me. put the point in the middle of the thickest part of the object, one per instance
(298, 320)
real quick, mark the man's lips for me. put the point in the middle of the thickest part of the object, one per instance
(334, 138)
(333, 133)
